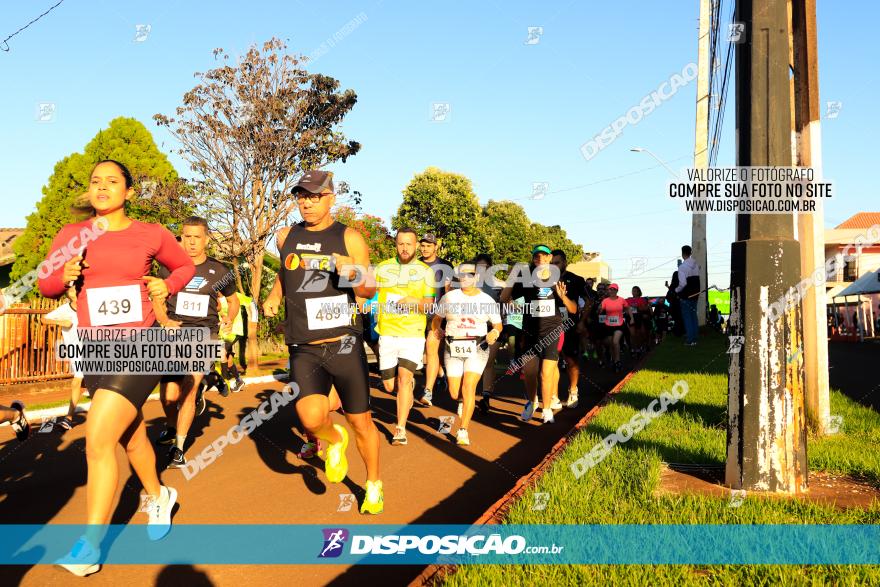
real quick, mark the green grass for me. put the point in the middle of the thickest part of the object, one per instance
(56, 404)
(621, 489)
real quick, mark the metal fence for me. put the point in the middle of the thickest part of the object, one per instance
(27, 346)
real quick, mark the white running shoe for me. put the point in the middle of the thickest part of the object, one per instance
(461, 437)
(528, 412)
(399, 436)
(572, 399)
(555, 404)
(547, 416)
(159, 512)
(460, 404)
(82, 559)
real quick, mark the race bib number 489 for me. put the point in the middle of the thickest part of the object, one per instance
(114, 305)
(328, 312)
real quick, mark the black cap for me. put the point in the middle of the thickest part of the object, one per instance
(429, 237)
(315, 181)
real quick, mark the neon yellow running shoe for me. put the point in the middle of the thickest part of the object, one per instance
(336, 465)
(374, 502)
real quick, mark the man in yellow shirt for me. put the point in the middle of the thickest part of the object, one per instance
(406, 294)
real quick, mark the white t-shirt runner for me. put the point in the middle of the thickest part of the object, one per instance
(466, 316)
(62, 313)
(70, 336)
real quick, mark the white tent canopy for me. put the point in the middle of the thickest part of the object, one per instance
(869, 283)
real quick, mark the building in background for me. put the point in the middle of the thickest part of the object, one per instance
(592, 265)
(853, 317)
(7, 257)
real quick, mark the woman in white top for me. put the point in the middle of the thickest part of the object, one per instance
(466, 310)
(65, 317)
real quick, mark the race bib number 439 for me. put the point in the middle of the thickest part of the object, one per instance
(114, 305)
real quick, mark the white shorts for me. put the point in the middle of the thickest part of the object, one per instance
(456, 367)
(394, 350)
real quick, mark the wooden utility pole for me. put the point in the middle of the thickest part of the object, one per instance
(766, 437)
(701, 152)
(811, 229)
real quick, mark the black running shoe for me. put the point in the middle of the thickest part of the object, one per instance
(176, 460)
(168, 436)
(483, 405)
(201, 404)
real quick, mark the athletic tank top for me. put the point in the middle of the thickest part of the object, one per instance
(316, 306)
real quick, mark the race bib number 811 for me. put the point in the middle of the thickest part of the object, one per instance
(195, 305)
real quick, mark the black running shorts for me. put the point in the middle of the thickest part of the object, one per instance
(571, 346)
(547, 350)
(317, 367)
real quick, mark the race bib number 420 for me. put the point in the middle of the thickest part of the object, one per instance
(114, 305)
(543, 308)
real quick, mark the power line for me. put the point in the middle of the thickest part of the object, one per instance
(592, 183)
(5, 46)
(718, 99)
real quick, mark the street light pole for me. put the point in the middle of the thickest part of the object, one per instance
(658, 159)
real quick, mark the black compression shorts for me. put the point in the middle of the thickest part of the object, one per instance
(134, 388)
(317, 367)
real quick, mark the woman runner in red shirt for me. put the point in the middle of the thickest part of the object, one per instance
(115, 270)
(611, 316)
(640, 327)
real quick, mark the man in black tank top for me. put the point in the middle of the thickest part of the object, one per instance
(324, 266)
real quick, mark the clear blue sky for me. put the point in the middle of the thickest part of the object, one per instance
(519, 112)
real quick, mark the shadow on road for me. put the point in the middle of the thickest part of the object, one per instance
(492, 478)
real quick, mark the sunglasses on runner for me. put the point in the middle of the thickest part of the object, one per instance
(313, 198)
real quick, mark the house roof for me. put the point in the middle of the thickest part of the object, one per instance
(7, 237)
(868, 283)
(861, 220)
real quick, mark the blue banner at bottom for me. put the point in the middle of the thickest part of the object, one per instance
(450, 544)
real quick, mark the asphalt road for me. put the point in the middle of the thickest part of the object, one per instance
(262, 481)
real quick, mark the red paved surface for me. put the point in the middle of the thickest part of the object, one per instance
(261, 481)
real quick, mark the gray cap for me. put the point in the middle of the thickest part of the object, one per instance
(315, 181)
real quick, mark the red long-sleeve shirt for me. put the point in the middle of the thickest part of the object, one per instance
(117, 258)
